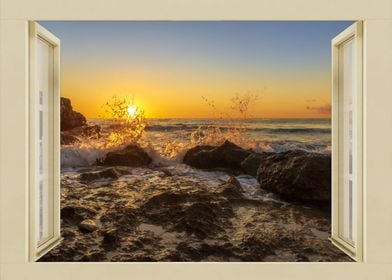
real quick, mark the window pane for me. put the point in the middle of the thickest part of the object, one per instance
(43, 231)
(348, 142)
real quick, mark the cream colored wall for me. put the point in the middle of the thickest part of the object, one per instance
(14, 121)
(378, 141)
(196, 10)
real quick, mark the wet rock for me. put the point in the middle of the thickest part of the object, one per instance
(227, 155)
(88, 131)
(92, 131)
(72, 136)
(110, 237)
(73, 215)
(298, 176)
(200, 213)
(109, 173)
(69, 118)
(94, 256)
(251, 164)
(67, 139)
(88, 225)
(177, 218)
(203, 219)
(231, 189)
(131, 155)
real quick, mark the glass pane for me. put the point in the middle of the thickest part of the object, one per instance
(43, 142)
(348, 141)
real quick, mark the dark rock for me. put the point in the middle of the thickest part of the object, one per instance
(227, 155)
(75, 214)
(199, 213)
(109, 173)
(89, 131)
(88, 225)
(110, 237)
(72, 136)
(298, 176)
(187, 220)
(131, 155)
(232, 189)
(69, 118)
(69, 215)
(92, 131)
(251, 164)
(67, 139)
(203, 219)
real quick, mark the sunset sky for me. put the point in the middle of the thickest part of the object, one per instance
(168, 66)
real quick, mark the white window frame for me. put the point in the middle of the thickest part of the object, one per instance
(354, 250)
(37, 32)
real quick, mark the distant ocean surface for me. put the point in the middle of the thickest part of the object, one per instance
(261, 135)
(313, 135)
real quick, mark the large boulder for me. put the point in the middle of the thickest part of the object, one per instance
(227, 155)
(297, 176)
(251, 164)
(69, 118)
(131, 155)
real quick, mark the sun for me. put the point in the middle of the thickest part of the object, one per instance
(132, 109)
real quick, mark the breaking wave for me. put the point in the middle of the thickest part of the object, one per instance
(167, 141)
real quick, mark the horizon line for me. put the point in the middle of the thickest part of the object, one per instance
(227, 118)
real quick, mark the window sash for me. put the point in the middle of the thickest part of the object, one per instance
(44, 141)
(347, 220)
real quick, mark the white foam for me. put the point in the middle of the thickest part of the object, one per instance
(74, 156)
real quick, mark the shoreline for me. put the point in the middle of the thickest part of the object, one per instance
(205, 199)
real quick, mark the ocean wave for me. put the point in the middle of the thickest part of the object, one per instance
(168, 141)
(80, 156)
(158, 127)
(186, 127)
(73, 156)
(293, 130)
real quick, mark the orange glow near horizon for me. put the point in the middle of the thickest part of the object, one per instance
(181, 96)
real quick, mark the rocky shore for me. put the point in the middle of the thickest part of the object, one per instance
(74, 124)
(127, 208)
(150, 214)
(295, 176)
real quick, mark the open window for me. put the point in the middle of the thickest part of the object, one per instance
(346, 126)
(347, 137)
(44, 102)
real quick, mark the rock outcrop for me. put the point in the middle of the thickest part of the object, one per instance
(297, 176)
(69, 118)
(227, 155)
(131, 155)
(109, 173)
(251, 164)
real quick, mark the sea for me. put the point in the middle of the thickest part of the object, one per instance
(167, 140)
